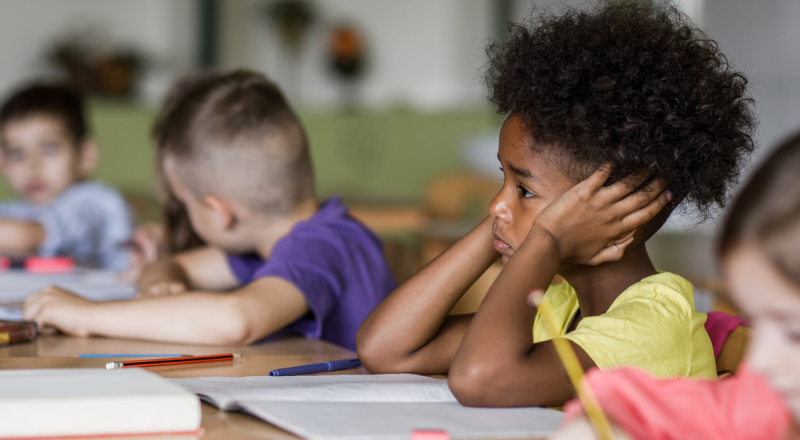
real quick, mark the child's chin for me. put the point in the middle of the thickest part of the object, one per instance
(504, 259)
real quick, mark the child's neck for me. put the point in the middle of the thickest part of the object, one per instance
(272, 229)
(598, 286)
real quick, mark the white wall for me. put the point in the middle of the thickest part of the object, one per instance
(164, 30)
(423, 53)
(761, 38)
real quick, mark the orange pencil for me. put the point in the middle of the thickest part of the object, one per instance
(173, 361)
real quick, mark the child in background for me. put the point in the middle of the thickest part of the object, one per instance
(47, 156)
(236, 157)
(760, 253)
(631, 86)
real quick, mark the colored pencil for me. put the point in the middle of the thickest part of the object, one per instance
(574, 369)
(173, 361)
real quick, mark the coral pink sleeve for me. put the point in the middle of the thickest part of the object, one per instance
(741, 407)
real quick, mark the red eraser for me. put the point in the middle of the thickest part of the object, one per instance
(5, 263)
(49, 264)
(429, 434)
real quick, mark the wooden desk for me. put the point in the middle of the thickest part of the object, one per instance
(259, 359)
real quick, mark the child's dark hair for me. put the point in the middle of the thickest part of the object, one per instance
(636, 86)
(766, 214)
(50, 100)
(234, 134)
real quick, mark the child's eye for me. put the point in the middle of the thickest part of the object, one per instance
(524, 193)
(13, 155)
(50, 148)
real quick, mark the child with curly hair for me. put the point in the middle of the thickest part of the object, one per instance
(638, 92)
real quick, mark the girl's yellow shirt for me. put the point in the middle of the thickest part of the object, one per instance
(651, 325)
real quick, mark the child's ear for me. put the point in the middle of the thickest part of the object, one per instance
(224, 211)
(89, 156)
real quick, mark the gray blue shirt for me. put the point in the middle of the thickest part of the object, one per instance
(87, 222)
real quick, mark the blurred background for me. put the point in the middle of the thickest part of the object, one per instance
(390, 93)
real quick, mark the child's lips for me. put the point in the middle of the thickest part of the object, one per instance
(34, 188)
(501, 246)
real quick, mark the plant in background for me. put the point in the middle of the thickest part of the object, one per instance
(91, 67)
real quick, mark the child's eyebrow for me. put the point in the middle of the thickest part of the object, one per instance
(524, 173)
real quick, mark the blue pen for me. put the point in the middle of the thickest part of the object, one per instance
(104, 355)
(345, 364)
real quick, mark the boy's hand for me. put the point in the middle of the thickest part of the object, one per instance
(162, 288)
(56, 308)
(147, 242)
(592, 224)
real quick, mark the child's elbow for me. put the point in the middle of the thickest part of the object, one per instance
(233, 333)
(472, 384)
(372, 356)
(233, 328)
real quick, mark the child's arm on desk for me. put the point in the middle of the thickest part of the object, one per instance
(199, 269)
(239, 317)
(19, 237)
(497, 364)
(410, 331)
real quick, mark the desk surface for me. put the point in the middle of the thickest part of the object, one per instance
(258, 359)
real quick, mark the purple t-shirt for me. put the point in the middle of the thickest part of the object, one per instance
(338, 265)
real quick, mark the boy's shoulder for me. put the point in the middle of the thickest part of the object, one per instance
(331, 223)
(90, 192)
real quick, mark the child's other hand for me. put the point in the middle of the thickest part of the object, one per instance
(148, 243)
(56, 308)
(592, 224)
(162, 288)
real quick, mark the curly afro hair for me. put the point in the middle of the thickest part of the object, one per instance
(637, 86)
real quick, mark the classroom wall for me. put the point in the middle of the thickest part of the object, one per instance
(423, 54)
(164, 30)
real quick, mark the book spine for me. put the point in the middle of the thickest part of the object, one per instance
(24, 332)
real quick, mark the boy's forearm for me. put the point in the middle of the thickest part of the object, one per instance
(413, 315)
(200, 318)
(20, 237)
(163, 271)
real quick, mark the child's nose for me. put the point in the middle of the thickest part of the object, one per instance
(499, 206)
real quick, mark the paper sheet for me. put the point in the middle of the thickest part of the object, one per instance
(10, 313)
(383, 407)
(332, 388)
(390, 421)
(95, 285)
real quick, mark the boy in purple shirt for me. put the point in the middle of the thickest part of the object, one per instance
(235, 155)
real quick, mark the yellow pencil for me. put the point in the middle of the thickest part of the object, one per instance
(574, 369)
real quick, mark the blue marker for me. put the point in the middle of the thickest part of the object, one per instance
(345, 364)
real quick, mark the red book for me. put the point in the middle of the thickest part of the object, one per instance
(13, 332)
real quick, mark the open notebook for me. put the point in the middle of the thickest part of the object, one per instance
(387, 406)
(93, 402)
(96, 285)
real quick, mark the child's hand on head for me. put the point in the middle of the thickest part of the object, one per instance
(593, 224)
(162, 288)
(56, 308)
